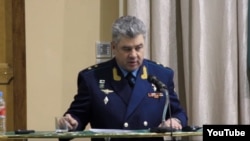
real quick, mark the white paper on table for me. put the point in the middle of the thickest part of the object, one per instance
(110, 130)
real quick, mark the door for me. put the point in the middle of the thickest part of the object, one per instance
(12, 62)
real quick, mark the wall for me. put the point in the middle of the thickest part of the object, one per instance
(60, 41)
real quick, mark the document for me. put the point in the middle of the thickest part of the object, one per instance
(111, 130)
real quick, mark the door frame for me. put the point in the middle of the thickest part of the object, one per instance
(19, 65)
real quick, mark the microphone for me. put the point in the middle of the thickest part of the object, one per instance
(163, 88)
(159, 85)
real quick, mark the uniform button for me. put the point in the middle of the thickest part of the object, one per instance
(125, 124)
(145, 123)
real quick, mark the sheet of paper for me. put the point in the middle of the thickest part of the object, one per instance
(110, 130)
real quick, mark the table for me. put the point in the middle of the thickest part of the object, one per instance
(98, 134)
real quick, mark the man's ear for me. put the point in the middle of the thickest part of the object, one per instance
(113, 47)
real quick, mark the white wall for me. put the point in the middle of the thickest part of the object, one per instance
(60, 41)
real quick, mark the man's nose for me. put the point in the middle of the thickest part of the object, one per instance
(132, 52)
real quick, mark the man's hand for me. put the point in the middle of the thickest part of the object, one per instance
(174, 122)
(72, 123)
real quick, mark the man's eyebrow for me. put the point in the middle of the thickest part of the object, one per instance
(141, 44)
(125, 46)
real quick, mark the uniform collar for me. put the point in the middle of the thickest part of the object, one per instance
(124, 72)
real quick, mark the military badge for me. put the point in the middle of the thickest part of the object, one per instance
(116, 77)
(101, 83)
(105, 100)
(155, 95)
(107, 91)
(154, 87)
(144, 73)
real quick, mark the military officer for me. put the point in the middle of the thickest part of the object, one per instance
(117, 94)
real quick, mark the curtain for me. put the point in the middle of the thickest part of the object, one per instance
(248, 49)
(205, 42)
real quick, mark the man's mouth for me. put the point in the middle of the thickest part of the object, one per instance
(132, 63)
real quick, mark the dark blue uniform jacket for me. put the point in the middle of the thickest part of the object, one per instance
(99, 99)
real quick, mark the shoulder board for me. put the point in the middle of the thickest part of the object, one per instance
(95, 66)
(157, 63)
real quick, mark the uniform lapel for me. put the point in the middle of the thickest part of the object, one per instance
(123, 89)
(142, 86)
(140, 90)
(120, 85)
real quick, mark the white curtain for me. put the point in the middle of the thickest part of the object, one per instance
(205, 42)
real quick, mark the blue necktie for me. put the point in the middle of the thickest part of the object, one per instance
(131, 79)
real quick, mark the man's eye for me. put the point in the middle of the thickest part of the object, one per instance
(138, 48)
(126, 49)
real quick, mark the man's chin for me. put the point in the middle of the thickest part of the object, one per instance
(132, 68)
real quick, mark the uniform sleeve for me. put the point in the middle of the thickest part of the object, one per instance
(80, 106)
(175, 108)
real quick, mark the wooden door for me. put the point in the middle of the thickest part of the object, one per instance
(13, 62)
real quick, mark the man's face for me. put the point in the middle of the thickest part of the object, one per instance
(129, 52)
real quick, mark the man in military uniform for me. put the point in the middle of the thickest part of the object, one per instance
(117, 94)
